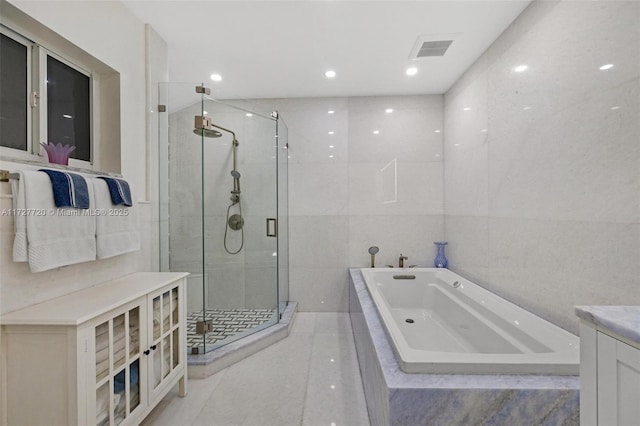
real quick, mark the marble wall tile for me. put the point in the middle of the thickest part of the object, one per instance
(466, 131)
(395, 187)
(412, 236)
(555, 185)
(319, 289)
(332, 179)
(468, 238)
(260, 289)
(405, 134)
(318, 189)
(562, 264)
(225, 286)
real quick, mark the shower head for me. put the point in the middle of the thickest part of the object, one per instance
(207, 133)
(235, 174)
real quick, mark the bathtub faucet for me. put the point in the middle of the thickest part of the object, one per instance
(401, 260)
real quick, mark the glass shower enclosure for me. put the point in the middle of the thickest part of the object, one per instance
(223, 212)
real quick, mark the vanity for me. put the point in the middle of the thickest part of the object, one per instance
(105, 355)
(609, 365)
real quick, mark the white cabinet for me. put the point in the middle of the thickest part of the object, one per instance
(610, 379)
(105, 355)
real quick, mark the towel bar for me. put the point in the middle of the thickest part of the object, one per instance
(5, 176)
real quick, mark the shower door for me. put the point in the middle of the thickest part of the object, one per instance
(222, 221)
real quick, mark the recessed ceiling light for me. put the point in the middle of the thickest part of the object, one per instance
(526, 108)
(376, 132)
(615, 107)
(456, 144)
(216, 77)
(332, 146)
(466, 109)
(483, 130)
(388, 110)
(412, 71)
(331, 133)
(436, 131)
(521, 68)
(606, 67)
(249, 114)
(331, 156)
(330, 111)
(330, 74)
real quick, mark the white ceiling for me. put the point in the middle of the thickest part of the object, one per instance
(273, 49)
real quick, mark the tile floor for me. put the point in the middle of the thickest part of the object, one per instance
(309, 378)
(228, 325)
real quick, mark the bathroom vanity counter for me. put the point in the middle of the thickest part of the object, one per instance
(610, 364)
(621, 320)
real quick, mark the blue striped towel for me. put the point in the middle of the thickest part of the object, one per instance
(69, 189)
(119, 191)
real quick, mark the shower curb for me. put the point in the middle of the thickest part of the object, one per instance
(205, 365)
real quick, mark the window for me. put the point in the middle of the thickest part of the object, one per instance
(49, 101)
(14, 92)
(68, 108)
(80, 105)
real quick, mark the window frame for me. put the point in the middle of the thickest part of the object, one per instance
(42, 76)
(37, 113)
(27, 154)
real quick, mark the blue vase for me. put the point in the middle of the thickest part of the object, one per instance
(440, 261)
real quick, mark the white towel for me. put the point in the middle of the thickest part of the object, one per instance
(20, 253)
(116, 226)
(46, 236)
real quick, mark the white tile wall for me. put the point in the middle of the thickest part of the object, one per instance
(543, 206)
(380, 189)
(18, 286)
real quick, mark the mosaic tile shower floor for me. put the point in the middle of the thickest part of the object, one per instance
(228, 325)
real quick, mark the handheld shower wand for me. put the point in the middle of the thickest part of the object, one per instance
(373, 250)
(235, 193)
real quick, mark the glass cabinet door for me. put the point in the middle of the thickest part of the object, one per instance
(117, 367)
(163, 354)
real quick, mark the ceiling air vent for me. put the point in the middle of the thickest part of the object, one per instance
(434, 48)
(432, 45)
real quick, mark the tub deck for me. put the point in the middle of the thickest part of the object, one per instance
(398, 398)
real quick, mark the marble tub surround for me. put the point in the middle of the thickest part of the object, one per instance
(541, 166)
(397, 398)
(621, 320)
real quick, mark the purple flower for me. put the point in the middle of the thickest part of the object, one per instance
(57, 153)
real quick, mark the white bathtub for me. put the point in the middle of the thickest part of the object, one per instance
(442, 323)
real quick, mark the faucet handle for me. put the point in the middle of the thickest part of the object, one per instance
(412, 266)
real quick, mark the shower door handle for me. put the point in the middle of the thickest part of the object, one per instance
(272, 227)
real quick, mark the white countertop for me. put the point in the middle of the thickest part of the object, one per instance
(80, 306)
